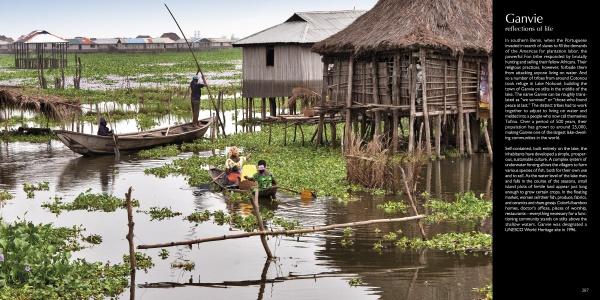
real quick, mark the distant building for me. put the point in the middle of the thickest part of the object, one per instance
(81, 43)
(213, 43)
(5, 46)
(107, 44)
(279, 58)
(142, 37)
(170, 35)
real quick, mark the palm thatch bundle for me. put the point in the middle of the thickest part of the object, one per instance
(455, 25)
(50, 106)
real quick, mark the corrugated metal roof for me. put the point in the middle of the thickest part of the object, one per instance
(304, 27)
(134, 41)
(159, 41)
(106, 41)
(40, 36)
(80, 41)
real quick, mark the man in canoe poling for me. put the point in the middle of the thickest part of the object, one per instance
(263, 178)
(196, 87)
(103, 130)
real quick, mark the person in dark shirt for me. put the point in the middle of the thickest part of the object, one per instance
(196, 87)
(103, 130)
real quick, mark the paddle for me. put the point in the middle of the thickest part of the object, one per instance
(306, 193)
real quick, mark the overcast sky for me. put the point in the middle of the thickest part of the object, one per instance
(129, 18)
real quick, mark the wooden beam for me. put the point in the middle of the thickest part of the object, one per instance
(438, 135)
(491, 91)
(411, 91)
(468, 134)
(377, 115)
(394, 131)
(281, 232)
(322, 104)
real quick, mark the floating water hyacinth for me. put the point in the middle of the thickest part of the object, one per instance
(27, 269)
(1, 257)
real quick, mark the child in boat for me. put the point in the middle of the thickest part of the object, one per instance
(263, 178)
(103, 130)
(233, 166)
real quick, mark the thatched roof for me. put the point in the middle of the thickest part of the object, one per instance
(455, 25)
(51, 106)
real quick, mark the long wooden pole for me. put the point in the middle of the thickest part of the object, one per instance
(412, 203)
(425, 106)
(199, 70)
(261, 226)
(280, 232)
(132, 261)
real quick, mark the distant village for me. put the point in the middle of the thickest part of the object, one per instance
(169, 41)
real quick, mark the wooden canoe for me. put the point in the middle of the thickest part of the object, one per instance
(89, 144)
(218, 177)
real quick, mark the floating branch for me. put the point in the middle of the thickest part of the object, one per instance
(280, 232)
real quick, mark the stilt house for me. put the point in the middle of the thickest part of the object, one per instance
(410, 62)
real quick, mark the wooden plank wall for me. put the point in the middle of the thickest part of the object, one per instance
(295, 65)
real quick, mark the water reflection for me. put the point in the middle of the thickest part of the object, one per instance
(312, 266)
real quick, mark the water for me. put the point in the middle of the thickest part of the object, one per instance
(311, 267)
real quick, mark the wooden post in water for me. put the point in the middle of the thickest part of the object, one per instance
(425, 107)
(487, 141)
(261, 226)
(377, 113)
(132, 262)
(438, 135)
(468, 134)
(348, 129)
(394, 131)
(235, 112)
(460, 116)
(321, 125)
(408, 191)
(411, 92)
(263, 108)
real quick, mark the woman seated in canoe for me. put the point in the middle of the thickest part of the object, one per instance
(263, 178)
(103, 130)
(233, 166)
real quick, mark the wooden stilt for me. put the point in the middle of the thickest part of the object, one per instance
(322, 104)
(132, 260)
(375, 75)
(394, 131)
(468, 134)
(263, 108)
(425, 107)
(438, 135)
(488, 143)
(491, 91)
(411, 91)
(348, 129)
(333, 130)
(461, 127)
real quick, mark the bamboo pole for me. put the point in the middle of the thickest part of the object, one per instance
(375, 71)
(412, 203)
(322, 104)
(261, 226)
(490, 88)
(425, 107)
(281, 232)
(461, 126)
(132, 261)
(394, 131)
(348, 127)
(411, 91)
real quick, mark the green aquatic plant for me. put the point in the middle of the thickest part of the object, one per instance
(355, 281)
(89, 201)
(392, 207)
(30, 188)
(158, 152)
(467, 208)
(486, 292)
(160, 213)
(5, 195)
(199, 216)
(163, 254)
(185, 265)
(322, 170)
(93, 239)
(378, 246)
(11, 137)
(285, 223)
(390, 236)
(346, 241)
(450, 242)
(143, 261)
(35, 263)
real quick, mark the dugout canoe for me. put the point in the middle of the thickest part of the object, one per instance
(90, 144)
(218, 177)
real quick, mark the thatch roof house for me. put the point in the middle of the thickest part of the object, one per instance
(421, 59)
(278, 59)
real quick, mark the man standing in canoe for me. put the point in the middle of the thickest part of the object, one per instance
(196, 87)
